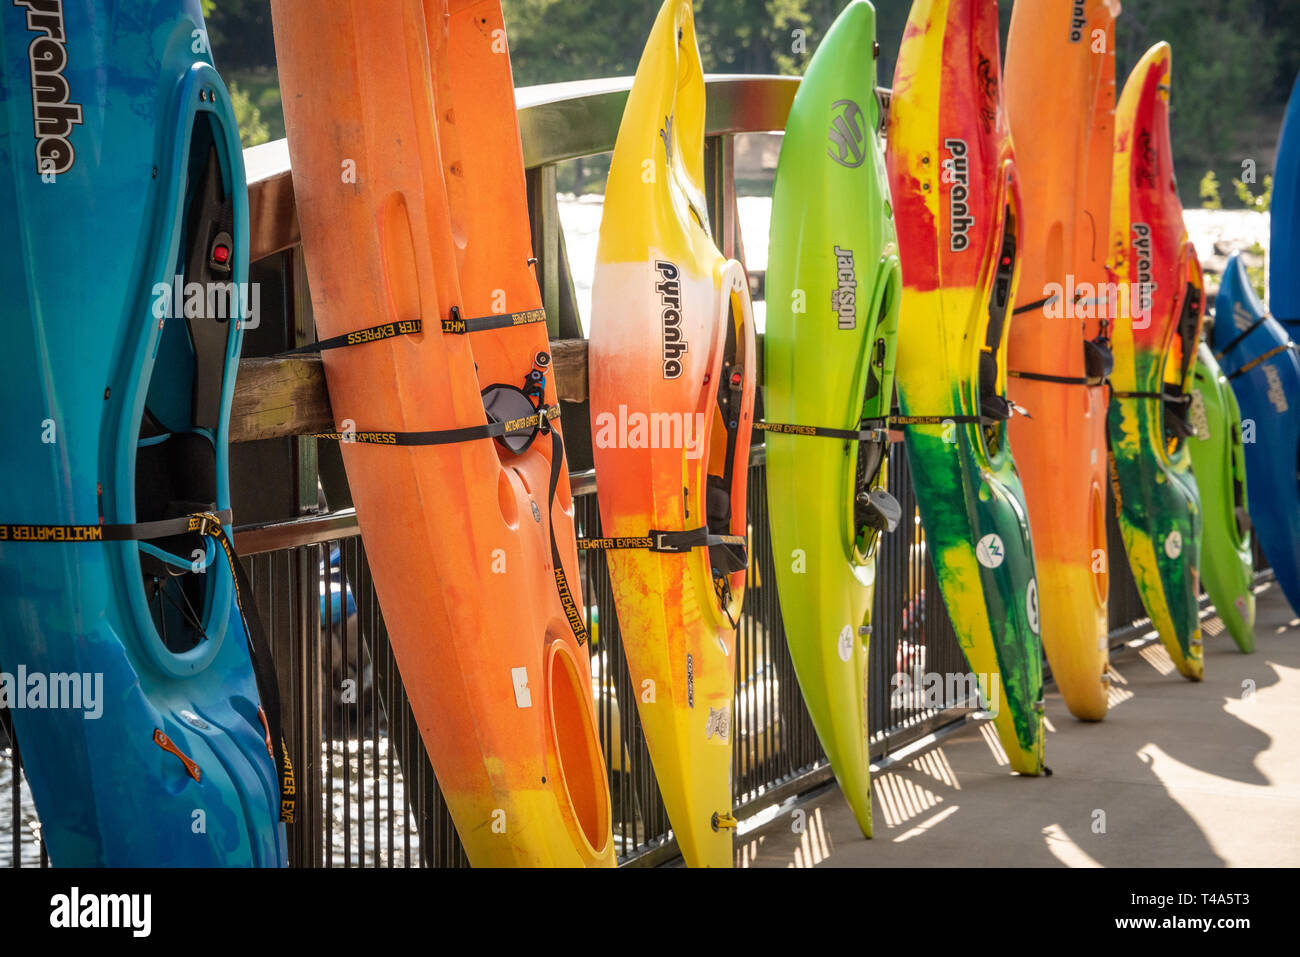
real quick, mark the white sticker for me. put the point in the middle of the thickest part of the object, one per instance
(1240, 602)
(1031, 604)
(1197, 416)
(1174, 544)
(523, 697)
(846, 643)
(989, 551)
(718, 722)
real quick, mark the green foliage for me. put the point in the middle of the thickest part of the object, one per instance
(1210, 198)
(252, 129)
(1258, 275)
(1260, 203)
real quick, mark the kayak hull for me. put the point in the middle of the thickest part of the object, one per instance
(1156, 330)
(498, 682)
(1251, 347)
(149, 749)
(671, 340)
(829, 363)
(1062, 76)
(953, 180)
(1219, 463)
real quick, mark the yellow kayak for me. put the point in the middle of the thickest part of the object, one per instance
(671, 366)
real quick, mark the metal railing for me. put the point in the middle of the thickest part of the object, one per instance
(368, 794)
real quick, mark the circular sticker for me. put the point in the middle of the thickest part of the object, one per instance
(1174, 544)
(1031, 604)
(989, 551)
(846, 643)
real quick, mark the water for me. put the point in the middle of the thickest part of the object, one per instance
(29, 853)
(580, 219)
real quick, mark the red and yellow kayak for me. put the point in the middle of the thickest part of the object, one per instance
(411, 216)
(671, 382)
(1160, 305)
(952, 174)
(1060, 98)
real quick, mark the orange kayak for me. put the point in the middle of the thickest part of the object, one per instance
(1060, 100)
(458, 532)
(671, 367)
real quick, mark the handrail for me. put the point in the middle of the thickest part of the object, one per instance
(557, 121)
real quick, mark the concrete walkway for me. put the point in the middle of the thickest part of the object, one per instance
(1178, 775)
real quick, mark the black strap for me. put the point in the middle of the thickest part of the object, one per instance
(1240, 337)
(490, 430)
(454, 325)
(212, 525)
(457, 326)
(268, 685)
(1262, 359)
(665, 542)
(935, 420)
(817, 431)
(387, 330)
(139, 531)
(1061, 379)
(1032, 306)
(571, 610)
(1173, 398)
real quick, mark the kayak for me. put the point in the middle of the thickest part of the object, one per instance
(829, 365)
(445, 408)
(1160, 303)
(671, 360)
(1060, 96)
(1284, 220)
(958, 214)
(1219, 464)
(1254, 352)
(131, 660)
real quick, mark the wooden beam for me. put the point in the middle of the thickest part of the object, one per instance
(277, 398)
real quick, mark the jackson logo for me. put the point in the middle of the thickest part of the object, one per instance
(1142, 259)
(956, 171)
(847, 134)
(670, 304)
(1077, 21)
(53, 117)
(844, 300)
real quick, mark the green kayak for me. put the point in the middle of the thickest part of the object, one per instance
(1219, 464)
(833, 289)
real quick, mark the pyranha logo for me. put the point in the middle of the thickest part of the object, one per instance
(847, 134)
(956, 171)
(670, 303)
(1142, 260)
(1078, 20)
(844, 300)
(53, 116)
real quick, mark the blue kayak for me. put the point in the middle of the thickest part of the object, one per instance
(1284, 243)
(1255, 354)
(127, 633)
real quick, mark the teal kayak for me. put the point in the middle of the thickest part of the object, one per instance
(126, 635)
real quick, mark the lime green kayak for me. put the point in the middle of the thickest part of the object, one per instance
(833, 289)
(1219, 464)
